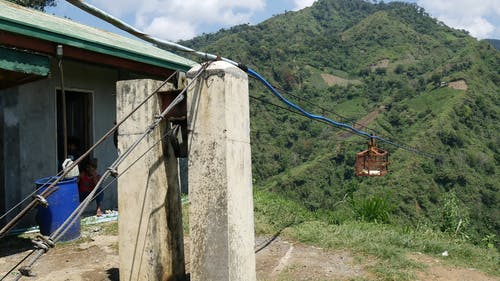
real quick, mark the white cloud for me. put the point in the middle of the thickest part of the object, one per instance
(170, 29)
(182, 19)
(480, 18)
(125, 6)
(301, 4)
(477, 26)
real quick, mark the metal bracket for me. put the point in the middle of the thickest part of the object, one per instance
(47, 240)
(113, 172)
(43, 243)
(26, 271)
(41, 200)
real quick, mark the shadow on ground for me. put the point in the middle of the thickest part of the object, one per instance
(11, 245)
(113, 274)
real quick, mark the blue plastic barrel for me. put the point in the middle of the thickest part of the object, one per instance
(61, 204)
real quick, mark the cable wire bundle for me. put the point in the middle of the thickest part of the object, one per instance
(44, 244)
(163, 44)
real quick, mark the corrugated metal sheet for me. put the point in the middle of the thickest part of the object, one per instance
(24, 62)
(20, 20)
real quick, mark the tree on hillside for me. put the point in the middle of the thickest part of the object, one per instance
(36, 4)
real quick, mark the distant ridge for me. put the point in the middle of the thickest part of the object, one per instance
(494, 42)
(439, 88)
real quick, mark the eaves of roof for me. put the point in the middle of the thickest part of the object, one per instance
(20, 20)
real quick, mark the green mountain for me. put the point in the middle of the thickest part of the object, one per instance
(494, 42)
(402, 74)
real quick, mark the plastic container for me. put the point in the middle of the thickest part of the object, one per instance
(61, 204)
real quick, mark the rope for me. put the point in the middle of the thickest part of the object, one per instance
(63, 101)
(18, 264)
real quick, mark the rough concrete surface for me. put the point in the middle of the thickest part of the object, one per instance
(219, 175)
(148, 194)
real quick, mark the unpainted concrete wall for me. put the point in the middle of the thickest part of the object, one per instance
(29, 129)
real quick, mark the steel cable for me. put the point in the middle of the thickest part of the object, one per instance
(167, 134)
(50, 189)
(112, 168)
(253, 73)
(163, 44)
(29, 196)
(59, 232)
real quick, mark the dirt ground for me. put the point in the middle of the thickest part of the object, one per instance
(331, 80)
(458, 85)
(363, 122)
(95, 257)
(380, 64)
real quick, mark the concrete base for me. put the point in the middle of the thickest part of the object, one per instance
(219, 173)
(150, 224)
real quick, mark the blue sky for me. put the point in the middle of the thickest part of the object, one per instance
(184, 19)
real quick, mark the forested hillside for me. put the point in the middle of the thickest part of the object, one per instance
(416, 81)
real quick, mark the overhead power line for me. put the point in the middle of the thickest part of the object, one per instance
(163, 44)
(324, 110)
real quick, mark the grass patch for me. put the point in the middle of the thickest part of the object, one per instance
(388, 244)
(433, 100)
(109, 228)
(353, 108)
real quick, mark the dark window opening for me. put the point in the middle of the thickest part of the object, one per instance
(78, 124)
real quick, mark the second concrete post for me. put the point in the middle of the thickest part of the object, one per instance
(220, 177)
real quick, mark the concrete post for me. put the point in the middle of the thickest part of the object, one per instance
(220, 176)
(150, 224)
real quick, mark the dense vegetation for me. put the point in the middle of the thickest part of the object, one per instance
(386, 248)
(35, 4)
(439, 90)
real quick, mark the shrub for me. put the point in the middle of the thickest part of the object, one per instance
(373, 209)
(455, 215)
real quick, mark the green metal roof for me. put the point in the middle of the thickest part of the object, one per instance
(24, 62)
(28, 22)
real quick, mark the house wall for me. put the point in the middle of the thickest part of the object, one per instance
(29, 129)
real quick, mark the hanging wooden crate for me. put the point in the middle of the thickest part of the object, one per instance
(372, 162)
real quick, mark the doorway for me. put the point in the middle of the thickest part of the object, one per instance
(78, 124)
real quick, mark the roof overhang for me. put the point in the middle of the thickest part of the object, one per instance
(20, 66)
(29, 29)
(74, 53)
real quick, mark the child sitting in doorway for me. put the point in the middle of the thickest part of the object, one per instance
(87, 182)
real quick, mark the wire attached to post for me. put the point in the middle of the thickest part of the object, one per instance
(65, 226)
(51, 187)
(163, 44)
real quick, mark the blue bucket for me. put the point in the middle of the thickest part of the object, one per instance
(61, 204)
